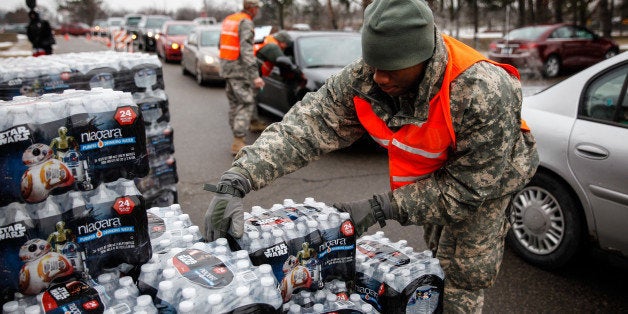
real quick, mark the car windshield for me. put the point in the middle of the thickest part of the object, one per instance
(526, 33)
(179, 29)
(133, 21)
(316, 52)
(115, 23)
(155, 22)
(210, 38)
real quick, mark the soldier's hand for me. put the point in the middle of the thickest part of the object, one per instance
(226, 210)
(366, 213)
(259, 82)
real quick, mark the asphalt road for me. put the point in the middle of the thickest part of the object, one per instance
(592, 283)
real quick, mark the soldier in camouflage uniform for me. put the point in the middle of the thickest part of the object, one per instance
(241, 74)
(461, 205)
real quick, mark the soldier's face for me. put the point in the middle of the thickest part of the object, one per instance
(399, 82)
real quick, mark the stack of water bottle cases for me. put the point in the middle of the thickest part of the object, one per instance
(78, 235)
(136, 73)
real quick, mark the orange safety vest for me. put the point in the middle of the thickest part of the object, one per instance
(414, 152)
(267, 66)
(230, 36)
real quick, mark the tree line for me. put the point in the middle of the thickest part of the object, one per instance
(603, 16)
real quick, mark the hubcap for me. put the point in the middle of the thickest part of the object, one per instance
(551, 68)
(537, 220)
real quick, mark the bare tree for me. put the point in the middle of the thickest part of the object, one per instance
(82, 10)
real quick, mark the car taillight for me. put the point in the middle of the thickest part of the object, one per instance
(528, 46)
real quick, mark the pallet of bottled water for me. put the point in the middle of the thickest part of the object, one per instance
(209, 278)
(393, 278)
(306, 244)
(128, 72)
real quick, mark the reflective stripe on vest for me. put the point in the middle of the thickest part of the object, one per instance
(416, 151)
(230, 36)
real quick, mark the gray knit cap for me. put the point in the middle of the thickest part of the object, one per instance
(397, 34)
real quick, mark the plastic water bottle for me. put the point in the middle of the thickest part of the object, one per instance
(122, 299)
(11, 307)
(214, 304)
(186, 307)
(33, 309)
(145, 303)
(127, 283)
(108, 281)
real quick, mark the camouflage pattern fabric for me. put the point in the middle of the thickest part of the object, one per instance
(463, 204)
(241, 96)
(239, 75)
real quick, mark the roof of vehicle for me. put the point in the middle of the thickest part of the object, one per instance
(178, 22)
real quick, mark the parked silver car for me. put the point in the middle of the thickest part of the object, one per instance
(579, 194)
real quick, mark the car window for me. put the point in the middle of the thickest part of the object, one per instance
(581, 33)
(179, 29)
(155, 22)
(526, 33)
(210, 38)
(562, 33)
(315, 53)
(603, 96)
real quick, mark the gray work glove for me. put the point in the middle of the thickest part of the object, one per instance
(366, 213)
(226, 211)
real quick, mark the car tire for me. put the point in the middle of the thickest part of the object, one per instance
(546, 223)
(610, 53)
(551, 66)
(199, 75)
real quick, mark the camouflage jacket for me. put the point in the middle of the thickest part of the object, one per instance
(246, 65)
(492, 157)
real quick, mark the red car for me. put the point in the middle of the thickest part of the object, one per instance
(76, 29)
(552, 48)
(171, 38)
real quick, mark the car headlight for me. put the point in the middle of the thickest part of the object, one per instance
(174, 46)
(209, 59)
(149, 34)
(156, 36)
(134, 36)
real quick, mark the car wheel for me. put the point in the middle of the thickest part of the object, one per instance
(546, 223)
(609, 54)
(199, 74)
(551, 67)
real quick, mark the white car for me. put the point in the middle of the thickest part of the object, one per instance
(579, 195)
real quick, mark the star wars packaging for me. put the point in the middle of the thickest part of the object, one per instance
(32, 77)
(211, 277)
(73, 236)
(395, 279)
(306, 244)
(72, 141)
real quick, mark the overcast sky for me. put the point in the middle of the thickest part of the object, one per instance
(130, 5)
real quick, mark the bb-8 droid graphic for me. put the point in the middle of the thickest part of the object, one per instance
(44, 173)
(41, 266)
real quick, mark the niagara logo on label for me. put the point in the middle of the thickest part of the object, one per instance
(100, 135)
(13, 231)
(277, 250)
(368, 293)
(15, 134)
(99, 225)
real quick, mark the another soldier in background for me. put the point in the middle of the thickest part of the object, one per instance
(239, 67)
(451, 121)
(40, 35)
(272, 52)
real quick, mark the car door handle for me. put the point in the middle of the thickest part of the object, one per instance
(591, 151)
